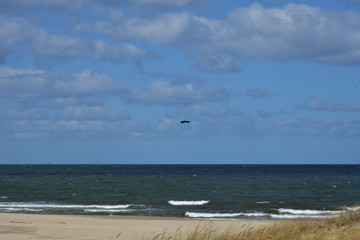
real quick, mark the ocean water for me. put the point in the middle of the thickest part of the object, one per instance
(266, 192)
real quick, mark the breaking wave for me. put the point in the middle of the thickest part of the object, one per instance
(281, 213)
(188, 203)
(47, 207)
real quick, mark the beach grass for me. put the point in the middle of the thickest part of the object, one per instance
(344, 227)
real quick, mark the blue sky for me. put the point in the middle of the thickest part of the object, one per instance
(106, 81)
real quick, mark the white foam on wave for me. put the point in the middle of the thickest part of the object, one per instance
(223, 215)
(283, 214)
(10, 209)
(211, 215)
(286, 213)
(108, 210)
(353, 208)
(263, 202)
(294, 216)
(188, 203)
(255, 214)
(37, 206)
(20, 209)
(306, 211)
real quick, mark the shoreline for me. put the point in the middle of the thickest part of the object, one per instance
(77, 227)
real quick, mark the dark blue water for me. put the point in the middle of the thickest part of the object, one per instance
(208, 191)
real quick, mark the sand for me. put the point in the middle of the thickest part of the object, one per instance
(78, 227)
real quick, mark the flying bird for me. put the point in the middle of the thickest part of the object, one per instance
(185, 121)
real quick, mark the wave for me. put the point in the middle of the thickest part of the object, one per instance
(352, 208)
(59, 206)
(188, 203)
(224, 215)
(211, 215)
(294, 216)
(66, 208)
(282, 214)
(287, 213)
(139, 209)
(307, 212)
(108, 210)
(20, 209)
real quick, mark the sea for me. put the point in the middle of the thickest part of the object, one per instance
(229, 192)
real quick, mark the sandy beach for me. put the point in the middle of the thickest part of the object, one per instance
(77, 227)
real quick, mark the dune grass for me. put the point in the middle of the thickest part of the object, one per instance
(344, 227)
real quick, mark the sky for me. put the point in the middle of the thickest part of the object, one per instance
(108, 82)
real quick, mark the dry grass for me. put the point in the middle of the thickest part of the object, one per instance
(344, 227)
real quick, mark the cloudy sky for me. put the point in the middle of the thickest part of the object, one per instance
(107, 81)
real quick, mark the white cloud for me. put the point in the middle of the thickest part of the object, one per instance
(60, 102)
(94, 113)
(167, 127)
(217, 63)
(177, 3)
(306, 127)
(348, 2)
(61, 90)
(122, 52)
(45, 44)
(294, 32)
(168, 93)
(326, 105)
(87, 82)
(16, 111)
(165, 29)
(173, 3)
(218, 120)
(291, 33)
(95, 122)
(22, 83)
(66, 47)
(18, 34)
(27, 83)
(12, 31)
(211, 112)
(229, 121)
(47, 105)
(46, 129)
(89, 129)
(24, 5)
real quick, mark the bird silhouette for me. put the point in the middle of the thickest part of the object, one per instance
(185, 121)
